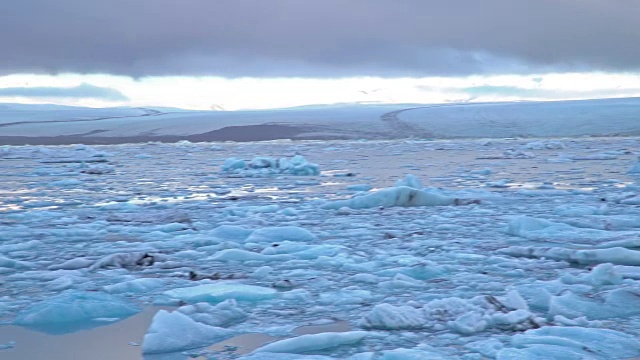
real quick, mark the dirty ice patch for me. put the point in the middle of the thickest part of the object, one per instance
(261, 166)
(219, 292)
(97, 169)
(75, 310)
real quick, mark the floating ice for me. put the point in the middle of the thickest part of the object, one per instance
(542, 145)
(571, 343)
(143, 285)
(74, 309)
(395, 196)
(621, 302)
(635, 169)
(66, 182)
(231, 232)
(359, 187)
(282, 356)
(175, 331)
(97, 169)
(313, 342)
(151, 217)
(124, 260)
(244, 255)
(10, 344)
(615, 255)
(223, 314)
(6, 262)
(73, 264)
(540, 229)
(578, 210)
(219, 292)
(387, 316)
(259, 166)
(465, 316)
(411, 181)
(280, 233)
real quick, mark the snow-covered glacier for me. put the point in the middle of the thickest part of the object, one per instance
(50, 124)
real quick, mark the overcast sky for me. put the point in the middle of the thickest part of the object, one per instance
(232, 38)
(309, 39)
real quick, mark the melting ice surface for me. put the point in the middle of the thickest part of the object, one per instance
(499, 249)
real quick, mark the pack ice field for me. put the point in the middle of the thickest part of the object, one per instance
(390, 249)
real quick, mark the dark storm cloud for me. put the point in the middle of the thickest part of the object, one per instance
(82, 91)
(318, 38)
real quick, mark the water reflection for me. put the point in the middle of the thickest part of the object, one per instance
(103, 343)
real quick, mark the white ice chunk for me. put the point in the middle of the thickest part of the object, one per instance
(469, 323)
(244, 255)
(258, 166)
(395, 196)
(223, 314)
(280, 233)
(143, 285)
(616, 255)
(219, 292)
(313, 342)
(540, 229)
(123, 260)
(233, 164)
(174, 331)
(621, 302)
(231, 232)
(387, 316)
(411, 181)
(635, 169)
(571, 343)
(73, 264)
(6, 262)
(542, 145)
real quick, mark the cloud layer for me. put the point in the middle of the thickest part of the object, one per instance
(235, 38)
(82, 91)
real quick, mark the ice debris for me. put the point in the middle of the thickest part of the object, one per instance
(635, 169)
(9, 345)
(395, 196)
(219, 292)
(570, 343)
(260, 166)
(75, 307)
(224, 314)
(175, 331)
(464, 316)
(615, 255)
(313, 342)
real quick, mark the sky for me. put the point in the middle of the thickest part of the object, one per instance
(243, 54)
